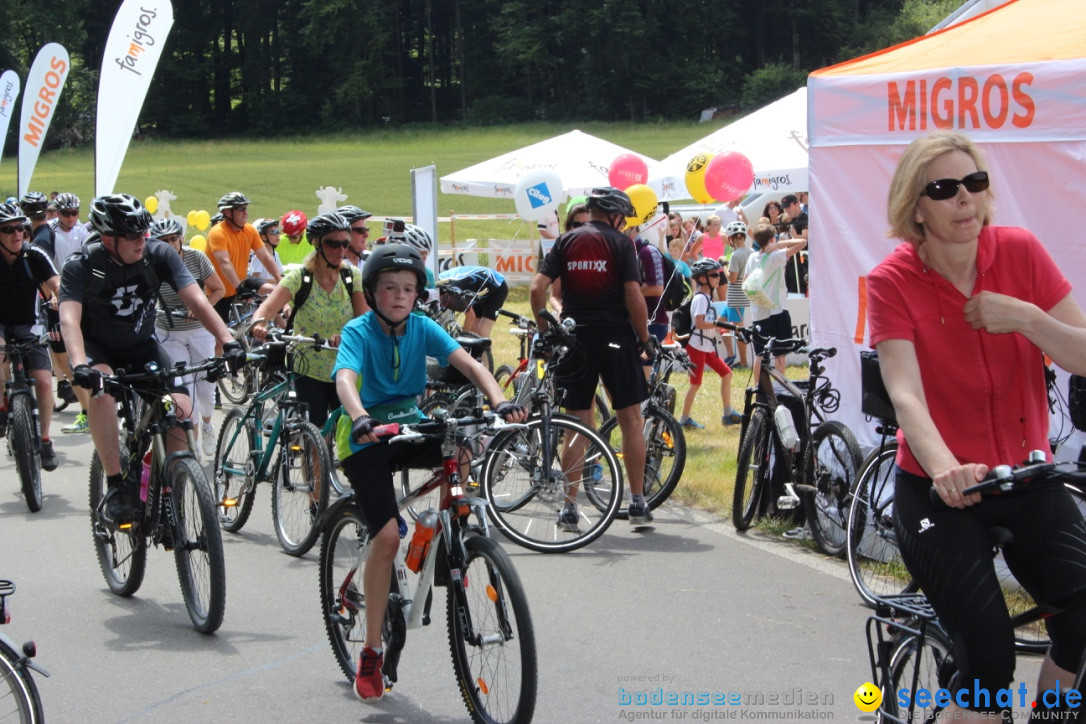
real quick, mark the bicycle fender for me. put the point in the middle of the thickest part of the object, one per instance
(23, 660)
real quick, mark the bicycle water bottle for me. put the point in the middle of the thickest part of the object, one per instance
(786, 427)
(420, 541)
(145, 477)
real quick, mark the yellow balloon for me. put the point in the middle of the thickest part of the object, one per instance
(203, 220)
(695, 178)
(644, 202)
(198, 242)
(191, 217)
(151, 203)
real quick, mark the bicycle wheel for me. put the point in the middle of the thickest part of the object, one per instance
(491, 636)
(301, 487)
(913, 667)
(27, 458)
(503, 375)
(665, 453)
(343, 551)
(122, 555)
(234, 470)
(201, 565)
(754, 470)
(19, 699)
(874, 560)
(526, 492)
(239, 387)
(833, 461)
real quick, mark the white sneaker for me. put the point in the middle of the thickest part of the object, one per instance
(207, 439)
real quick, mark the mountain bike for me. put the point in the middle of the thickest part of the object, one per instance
(19, 698)
(447, 319)
(271, 440)
(490, 631)
(24, 432)
(176, 509)
(240, 387)
(787, 442)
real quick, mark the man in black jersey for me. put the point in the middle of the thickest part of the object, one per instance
(108, 295)
(26, 271)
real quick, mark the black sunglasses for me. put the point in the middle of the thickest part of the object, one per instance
(714, 274)
(947, 188)
(331, 244)
(10, 229)
(360, 229)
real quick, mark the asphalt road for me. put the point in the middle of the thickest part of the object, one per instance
(687, 606)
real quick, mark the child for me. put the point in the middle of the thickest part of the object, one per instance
(732, 292)
(386, 349)
(675, 251)
(702, 347)
(774, 321)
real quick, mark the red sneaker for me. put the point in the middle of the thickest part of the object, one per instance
(369, 683)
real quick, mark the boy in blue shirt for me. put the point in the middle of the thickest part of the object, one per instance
(386, 349)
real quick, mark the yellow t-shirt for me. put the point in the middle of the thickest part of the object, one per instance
(238, 245)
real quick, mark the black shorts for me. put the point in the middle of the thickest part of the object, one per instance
(38, 357)
(487, 306)
(610, 353)
(370, 473)
(778, 326)
(133, 359)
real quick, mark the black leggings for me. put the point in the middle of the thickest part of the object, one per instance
(319, 395)
(949, 552)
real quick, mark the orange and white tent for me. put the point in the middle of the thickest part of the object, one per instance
(1012, 80)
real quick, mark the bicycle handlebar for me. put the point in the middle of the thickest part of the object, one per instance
(748, 335)
(153, 373)
(1036, 470)
(427, 429)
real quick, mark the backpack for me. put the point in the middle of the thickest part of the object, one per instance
(307, 286)
(682, 322)
(677, 287)
(759, 285)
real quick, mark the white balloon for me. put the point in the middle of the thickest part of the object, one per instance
(538, 194)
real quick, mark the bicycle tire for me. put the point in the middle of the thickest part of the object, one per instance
(496, 661)
(300, 494)
(238, 388)
(932, 664)
(503, 376)
(234, 470)
(754, 470)
(198, 553)
(18, 693)
(121, 556)
(27, 457)
(665, 454)
(524, 503)
(874, 560)
(832, 467)
(344, 546)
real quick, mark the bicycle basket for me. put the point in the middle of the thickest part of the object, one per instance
(1076, 401)
(875, 400)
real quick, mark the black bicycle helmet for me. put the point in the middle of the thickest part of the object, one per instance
(119, 214)
(610, 200)
(167, 227)
(232, 200)
(391, 256)
(320, 226)
(67, 202)
(11, 213)
(704, 266)
(34, 203)
(353, 213)
(263, 225)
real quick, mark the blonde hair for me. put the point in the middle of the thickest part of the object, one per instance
(910, 179)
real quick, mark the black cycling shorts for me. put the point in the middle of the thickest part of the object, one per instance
(37, 358)
(487, 305)
(610, 353)
(133, 359)
(370, 473)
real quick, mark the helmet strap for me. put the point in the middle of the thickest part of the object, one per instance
(320, 250)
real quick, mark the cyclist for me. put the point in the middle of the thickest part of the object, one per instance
(601, 290)
(484, 292)
(25, 272)
(69, 236)
(379, 373)
(961, 315)
(185, 339)
(292, 249)
(334, 297)
(34, 205)
(419, 238)
(107, 304)
(360, 232)
(229, 244)
(268, 230)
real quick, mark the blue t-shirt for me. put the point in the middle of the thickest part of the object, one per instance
(366, 349)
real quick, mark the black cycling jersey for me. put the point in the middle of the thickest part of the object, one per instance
(119, 301)
(19, 283)
(45, 238)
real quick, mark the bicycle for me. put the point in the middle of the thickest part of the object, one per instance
(781, 442)
(447, 319)
(530, 474)
(490, 631)
(19, 697)
(239, 388)
(176, 509)
(909, 648)
(271, 440)
(24, 431)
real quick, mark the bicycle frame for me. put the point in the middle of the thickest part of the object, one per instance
(20, 384)
(255, 412)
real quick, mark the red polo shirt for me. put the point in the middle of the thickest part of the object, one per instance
(985, 392)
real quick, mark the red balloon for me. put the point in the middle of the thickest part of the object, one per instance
(626, 170)
(728, 176)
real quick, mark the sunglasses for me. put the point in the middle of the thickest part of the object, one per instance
(576, 224)
(331, 244)
(360, 229)
(714, 275)
(10, 229)
(947, 188)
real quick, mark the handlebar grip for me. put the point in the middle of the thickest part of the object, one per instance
(387, 430)
(727, 325)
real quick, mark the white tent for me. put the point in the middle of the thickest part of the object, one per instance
(774, 138)
(1021, 98)
(580, 159)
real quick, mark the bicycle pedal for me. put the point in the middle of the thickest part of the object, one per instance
(787, 502)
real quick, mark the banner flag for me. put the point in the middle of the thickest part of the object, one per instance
(132, 52)
(9, 91)
(46, 79)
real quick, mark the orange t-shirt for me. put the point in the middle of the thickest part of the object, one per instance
(238, 245)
